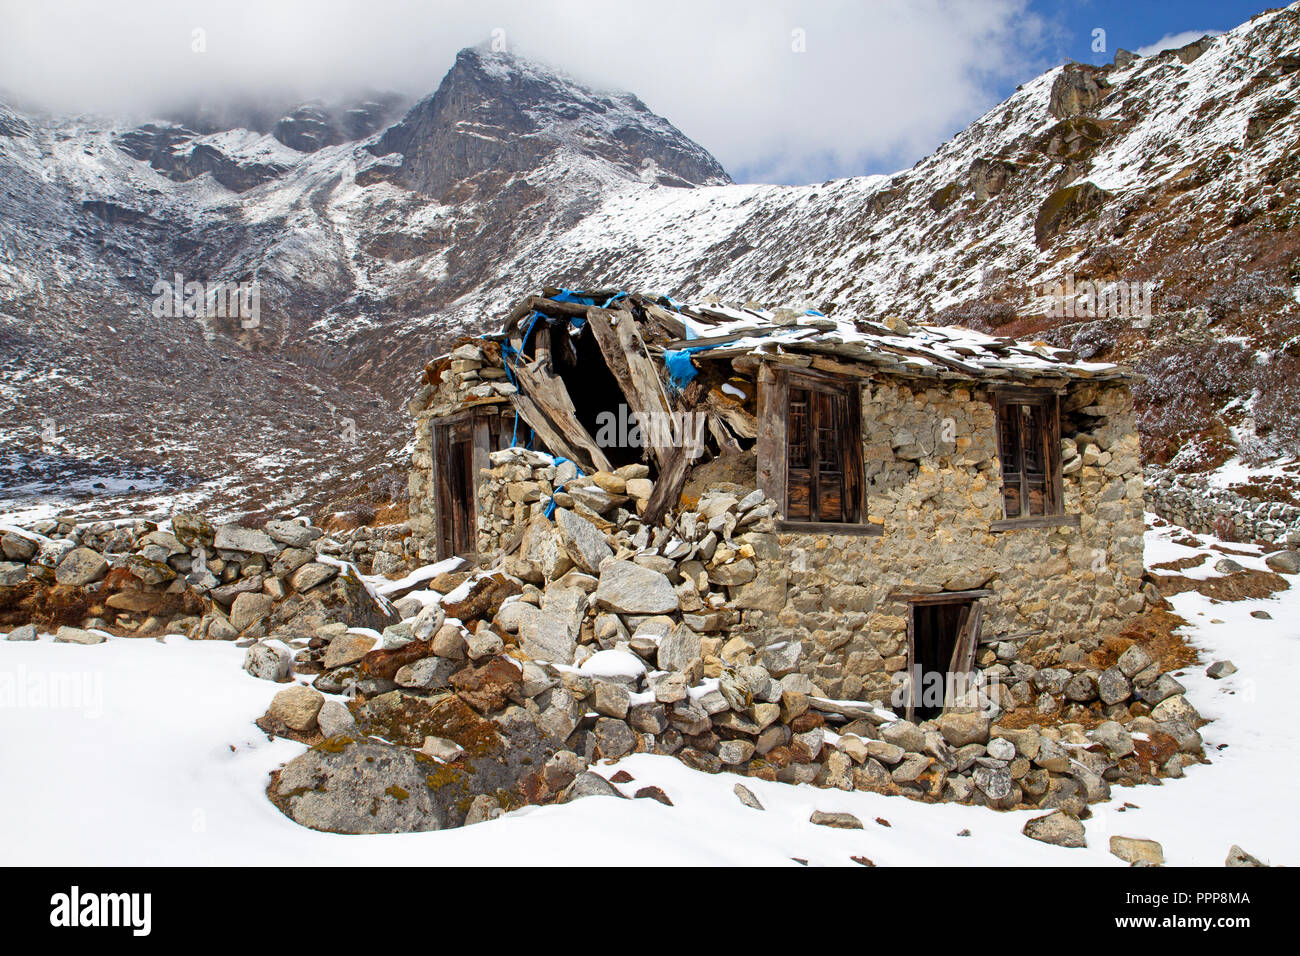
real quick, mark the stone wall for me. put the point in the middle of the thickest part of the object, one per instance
(1190, 501)
(934, 488)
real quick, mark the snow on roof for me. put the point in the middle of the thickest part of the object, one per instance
(717, 330)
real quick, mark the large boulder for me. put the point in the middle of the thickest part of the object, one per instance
(80, 567)
(349, 786)
(1076, 89)
(629, 588)
(1067, 206)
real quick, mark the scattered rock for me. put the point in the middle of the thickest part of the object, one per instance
(77, 635)
(1133, 850)
(1239, 857)
(1220, 669)
(746, 796)
(841, 821)
(1057, 828)
(588, 784)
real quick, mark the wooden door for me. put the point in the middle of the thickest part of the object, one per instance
(454, 472)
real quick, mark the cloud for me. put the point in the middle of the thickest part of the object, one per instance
(778, 90)
(1172, 41)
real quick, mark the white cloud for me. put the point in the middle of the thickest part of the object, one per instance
(879, 85)
(1172, 41)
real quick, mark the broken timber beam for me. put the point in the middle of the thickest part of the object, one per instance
(672, 475)
(544, 403)
(616, 334)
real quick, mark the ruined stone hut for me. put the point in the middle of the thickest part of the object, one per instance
(879, 496)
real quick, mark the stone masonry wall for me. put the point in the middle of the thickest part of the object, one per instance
(1190, 501)
(934, 487)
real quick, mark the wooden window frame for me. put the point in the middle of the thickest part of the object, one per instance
(773, 446)
(1049, 401)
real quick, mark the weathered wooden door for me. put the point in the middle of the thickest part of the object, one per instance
(454, 470)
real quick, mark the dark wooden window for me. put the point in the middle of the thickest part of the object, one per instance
(823, 453)
(1029, 449)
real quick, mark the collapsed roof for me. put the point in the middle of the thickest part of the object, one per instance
(573, 355)
(714, 330)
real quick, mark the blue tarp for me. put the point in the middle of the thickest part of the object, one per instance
(681, 370)
(549, 510)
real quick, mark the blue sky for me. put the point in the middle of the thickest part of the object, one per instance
(1134, 23)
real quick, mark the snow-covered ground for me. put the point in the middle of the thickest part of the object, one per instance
(138, 751)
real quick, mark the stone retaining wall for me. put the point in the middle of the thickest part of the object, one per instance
(1190, 501)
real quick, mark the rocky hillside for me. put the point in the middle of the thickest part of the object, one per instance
(355, 241)
(376, 242)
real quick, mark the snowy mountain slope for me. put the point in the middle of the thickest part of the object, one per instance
(373, 246)
(93, 214)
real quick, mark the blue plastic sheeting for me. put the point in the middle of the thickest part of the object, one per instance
(549, 510)
(815, 312)
(681, 370)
